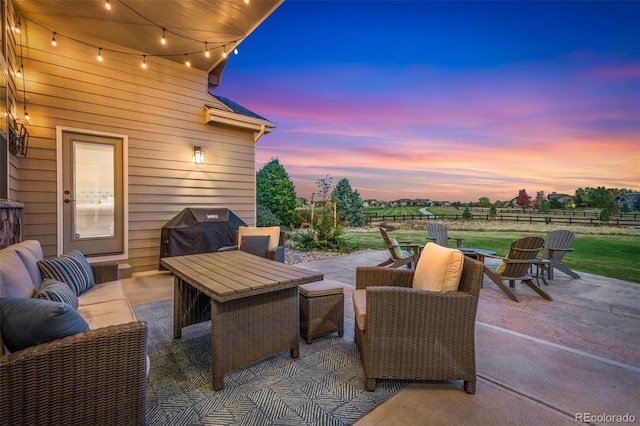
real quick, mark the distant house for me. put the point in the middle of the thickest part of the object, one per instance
(628, 198)
(563, 199)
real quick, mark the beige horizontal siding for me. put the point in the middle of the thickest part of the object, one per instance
(161, 110)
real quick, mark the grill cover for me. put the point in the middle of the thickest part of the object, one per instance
(199, 230)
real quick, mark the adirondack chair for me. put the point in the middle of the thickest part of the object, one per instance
(401, 252)
(438, 234)
(516, 265)
(556, 247)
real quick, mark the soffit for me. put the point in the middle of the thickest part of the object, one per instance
(136, 25)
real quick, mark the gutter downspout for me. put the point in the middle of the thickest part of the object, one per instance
(260, 133)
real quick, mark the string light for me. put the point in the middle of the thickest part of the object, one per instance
(144, 62)
(227, 47)
(26, 113)
(107, 5)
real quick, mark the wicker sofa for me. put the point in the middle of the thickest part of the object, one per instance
(95, 377)
(408, 333)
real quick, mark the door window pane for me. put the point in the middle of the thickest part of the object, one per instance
(93, 182)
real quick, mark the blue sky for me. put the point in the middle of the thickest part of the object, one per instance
(446, 100)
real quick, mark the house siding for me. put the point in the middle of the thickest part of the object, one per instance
(160, 109)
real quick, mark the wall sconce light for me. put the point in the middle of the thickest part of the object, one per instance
(198, 155)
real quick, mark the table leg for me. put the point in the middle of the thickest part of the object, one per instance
(190, 306)
(252, 328)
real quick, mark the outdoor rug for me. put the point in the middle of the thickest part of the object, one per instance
(324, 386)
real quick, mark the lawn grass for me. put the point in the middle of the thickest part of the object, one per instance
(608, 255)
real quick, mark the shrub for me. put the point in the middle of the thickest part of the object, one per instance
(264, 217)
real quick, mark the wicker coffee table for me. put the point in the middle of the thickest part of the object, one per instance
(252, 303)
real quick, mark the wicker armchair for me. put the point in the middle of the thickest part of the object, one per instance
(417, 334)
(98, 377)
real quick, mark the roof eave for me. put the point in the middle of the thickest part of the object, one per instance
(227, 118)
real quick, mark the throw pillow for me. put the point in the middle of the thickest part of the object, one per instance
(71, 268)
(14, 276)
(26, 322)
(397, 251)
(272, 231)
(438, 269)
(255, 244)
(57, 291)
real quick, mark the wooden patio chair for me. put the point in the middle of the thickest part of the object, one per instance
(516, 265)
(401, 252)
(438, 234)
(556, 246)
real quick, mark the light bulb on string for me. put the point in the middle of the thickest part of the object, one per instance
(163, 40)
(206, 50)
(235, 50)
(53, 40)
(19, 72)
(100, 55)
(17, 28)
(186, 60)
(107, 5)
(144, 62)
(26, 114)
(224, 52)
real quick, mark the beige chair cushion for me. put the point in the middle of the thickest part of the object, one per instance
(320, 288)
(104, 314)
(111, 290)
(360, 307)
(439, 269)
(272, 231)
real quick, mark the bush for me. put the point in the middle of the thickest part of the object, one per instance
(264, 217)
(466, 213)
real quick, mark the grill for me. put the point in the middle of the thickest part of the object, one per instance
(199, 230)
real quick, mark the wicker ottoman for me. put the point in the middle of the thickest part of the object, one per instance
(321, 309)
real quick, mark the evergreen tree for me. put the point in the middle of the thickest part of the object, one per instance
(348, 203)
(275, 191)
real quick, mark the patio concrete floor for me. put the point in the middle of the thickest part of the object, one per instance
(575, 359)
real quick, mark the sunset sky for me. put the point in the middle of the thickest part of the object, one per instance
(446, 100)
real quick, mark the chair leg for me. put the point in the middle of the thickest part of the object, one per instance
(470, 386)
(496, 279)
(564, 268)
(386, 262)
(370, 384)
(537, 289)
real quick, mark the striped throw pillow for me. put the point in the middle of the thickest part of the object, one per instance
(57, 291)
(71, 268)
